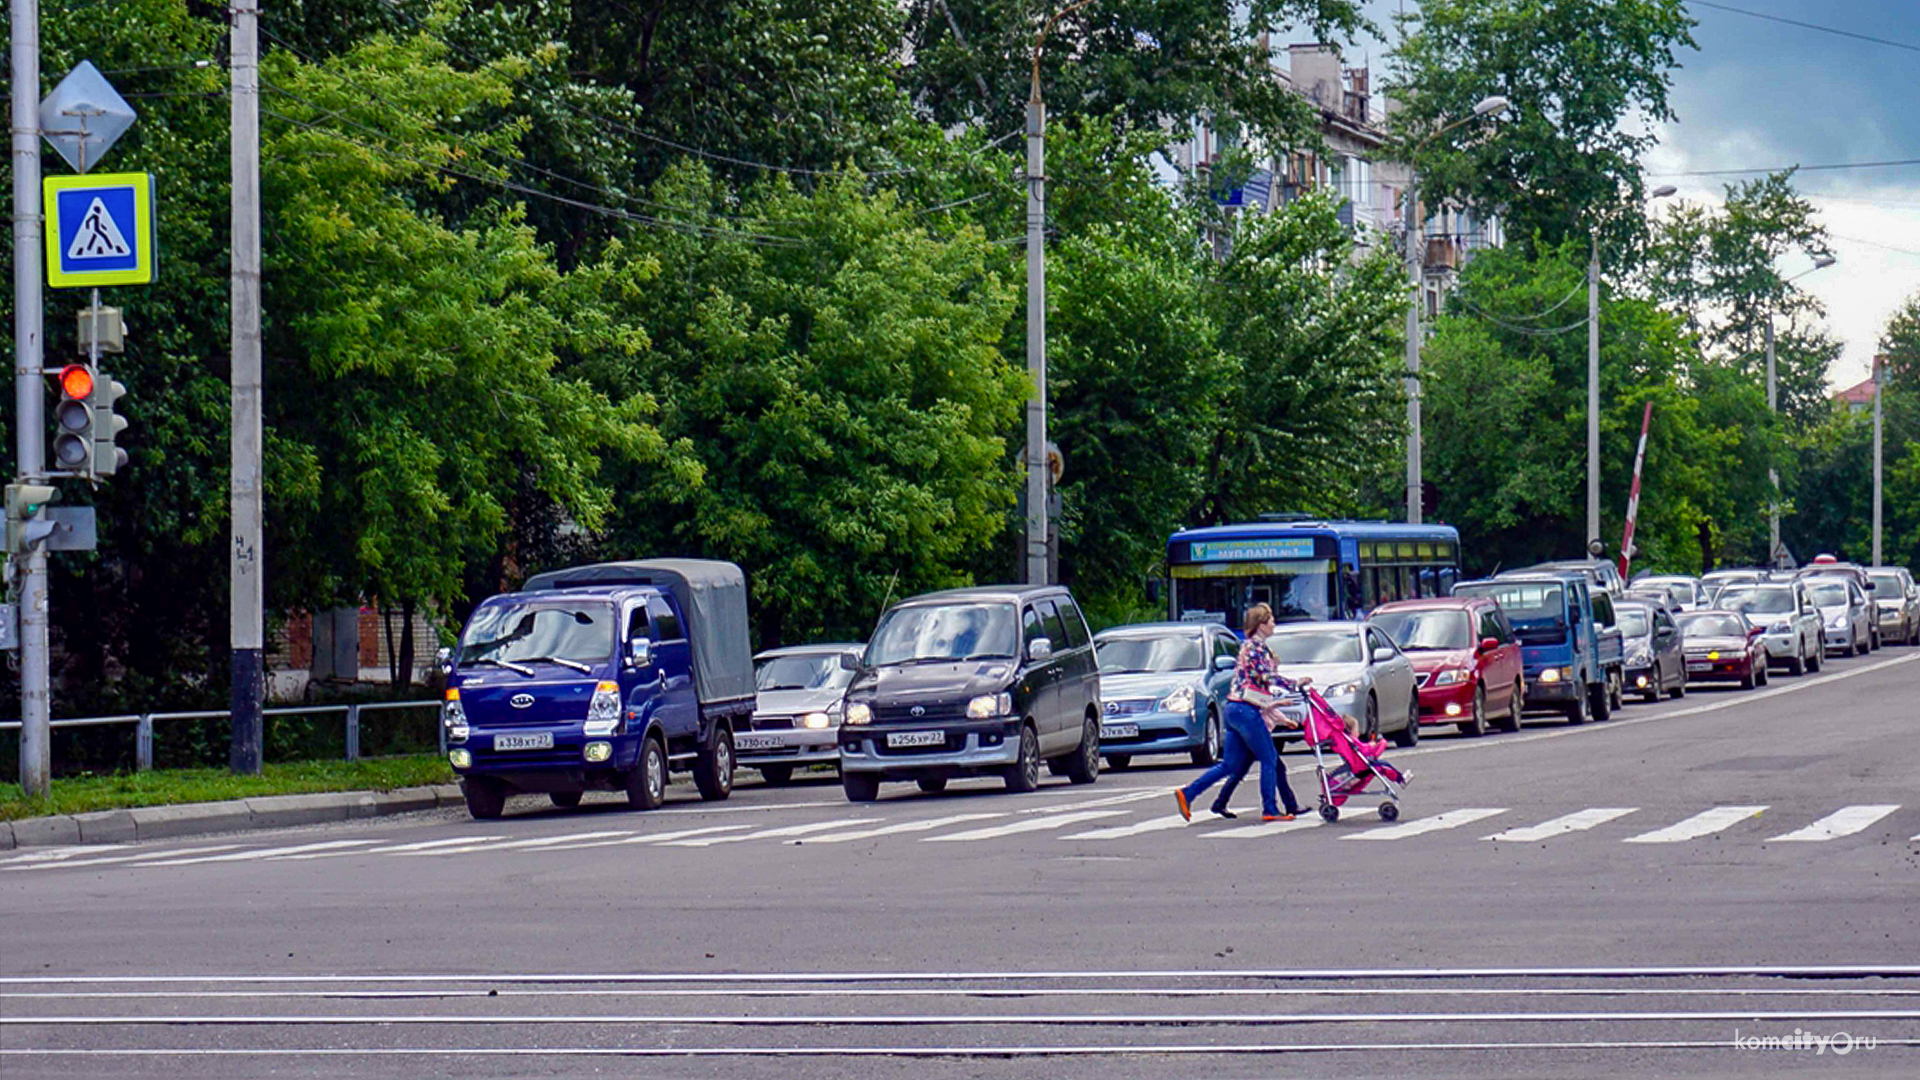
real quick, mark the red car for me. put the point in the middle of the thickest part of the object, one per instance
(1465, 658)
(1723, 645)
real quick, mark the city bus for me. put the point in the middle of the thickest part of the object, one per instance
(1306, 569)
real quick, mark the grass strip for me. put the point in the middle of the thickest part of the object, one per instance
(122, 791)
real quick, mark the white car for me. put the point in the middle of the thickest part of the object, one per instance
(1688, 593)
(1792, 625)
(1846, 615)
(796, 710)
(1358, 669)
(1897, 600)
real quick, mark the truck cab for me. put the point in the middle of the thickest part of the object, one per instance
(1571, 658)
(603, 677)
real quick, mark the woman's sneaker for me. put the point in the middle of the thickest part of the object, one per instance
(1278, 817)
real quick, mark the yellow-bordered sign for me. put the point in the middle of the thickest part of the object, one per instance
(100, 230)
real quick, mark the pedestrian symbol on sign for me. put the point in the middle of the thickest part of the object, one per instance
(98, 237)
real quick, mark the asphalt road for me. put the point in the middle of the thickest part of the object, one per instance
(1639, 898)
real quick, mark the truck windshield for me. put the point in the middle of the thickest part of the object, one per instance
(1130, 655)
(532, 630)
(1758, 601)
(1416, 630)
(1537, 609)
(819, 671)
(943, 632)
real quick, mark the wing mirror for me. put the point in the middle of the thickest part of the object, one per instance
(640, 652)
(849, 662)
(445, 659)
(1754, 632)
(1382, 654)
(1488, 644)
(1039, 648)
(1224, 663)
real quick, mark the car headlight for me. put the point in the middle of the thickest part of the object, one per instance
(988, 706)
(858, 712)
(1345, 689)
(1449, 676)
(453, 717)
(816, 720)
(603, 712)
(1780, 628)
(1838, 622)
(1639, 654)
(1180, 700)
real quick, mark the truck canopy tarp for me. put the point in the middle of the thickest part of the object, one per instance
(713, 595)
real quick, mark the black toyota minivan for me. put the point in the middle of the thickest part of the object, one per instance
(972, 682)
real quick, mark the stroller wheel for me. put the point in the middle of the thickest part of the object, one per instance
(1329, 813)
(1389, 811)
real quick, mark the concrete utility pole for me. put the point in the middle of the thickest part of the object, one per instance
(248, 617)
(1879, 380)
(29, 389)
(1593, 389)
(1820, 262)
(1416, 235)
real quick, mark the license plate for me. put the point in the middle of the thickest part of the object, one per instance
(1700, 666)
(1119, 731)
(756, 742)
(916, 738)
(541, 741)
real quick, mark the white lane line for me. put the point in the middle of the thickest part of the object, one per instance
(77, 863)
(1116, 832)
(426, 845)
(1060, 821)
(532, 843)
(45, 854)
(1843, 822)
(1110, 800)
(1701, 824)
(1450, 819)
(262, 853)
(649, 838)
(894, 830)
(1560, 826)
(772, 834)
(1268, 828)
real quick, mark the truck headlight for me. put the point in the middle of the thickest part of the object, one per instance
(603, 712)
(1554, 674)
(988, 706)
(816, 720)
(460, 758)
(1449, 676)
(858, 712)
(1180, 700)
(453, 717)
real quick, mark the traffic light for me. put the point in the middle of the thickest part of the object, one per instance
(24, 524)
(107, 425)
(73, 420)
(1429, 499)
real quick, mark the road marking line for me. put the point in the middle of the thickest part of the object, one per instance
(649, 838)
(532, 843)
(772, 834)
(1110, 800)
(262, 853)
(45, 854)
(77, 863)
(1701, 824)
(1575, 822)
(894, 830)
(1267, 828)
(1031, 825)
(1451, 819)
(1171, 821)
(423, 845)
(1843, 822)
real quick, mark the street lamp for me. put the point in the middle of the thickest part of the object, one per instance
(1820, 262)
(1487, 106)
(1593, 378)
(1037, 562)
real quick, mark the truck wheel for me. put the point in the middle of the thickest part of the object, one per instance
(647, 783)
(565, 800)
(1024, 774)
(860, 786)
(486, 797)
(1576, 710)
(713, 769)
(1602, 695)
(776, 774)
(1617, 689)
(1084, 766)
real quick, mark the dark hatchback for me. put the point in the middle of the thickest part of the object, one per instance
(986, 681)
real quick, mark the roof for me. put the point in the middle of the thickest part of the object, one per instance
(1302, 627)
(983, 592)
(1158, 628)
(1361, 529)
(805, 650)
(1860, 393)
(1435, 603)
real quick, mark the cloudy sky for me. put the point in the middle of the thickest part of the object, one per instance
(1761, 94)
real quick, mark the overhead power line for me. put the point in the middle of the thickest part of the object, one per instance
(1798, 168)
(1805, 25)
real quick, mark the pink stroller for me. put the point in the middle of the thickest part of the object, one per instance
(1325, 731)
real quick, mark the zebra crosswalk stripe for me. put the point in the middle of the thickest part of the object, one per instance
(770, 834)
(75, 864)
(1843, 822)
(530, 844)
(1560, 826)
(424, 845)
(1265, 828)
(1059, 821)
(1701, 824)
(894, 830)
(261, 853)
(1451, 819)
(1116, 832)
(648, 838)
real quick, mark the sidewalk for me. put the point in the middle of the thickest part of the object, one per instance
(195, 819)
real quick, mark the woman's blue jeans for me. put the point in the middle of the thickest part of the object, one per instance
(1248, 740)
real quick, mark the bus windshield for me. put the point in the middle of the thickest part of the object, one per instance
(1298, 590)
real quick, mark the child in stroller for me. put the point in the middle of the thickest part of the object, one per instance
(1333, 738)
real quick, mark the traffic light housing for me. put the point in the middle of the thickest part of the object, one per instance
(107, 425)
(73, 420)
(25, 525)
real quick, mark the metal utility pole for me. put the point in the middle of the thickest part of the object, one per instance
(248, 616)
(1773, 475)
(1879, 379)
(1593, 389)
(1415, 235)
(29, 389)
(1037, 333)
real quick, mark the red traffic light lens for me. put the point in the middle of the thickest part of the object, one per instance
(76, 381)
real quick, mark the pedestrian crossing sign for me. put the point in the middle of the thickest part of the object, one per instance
(100, 230)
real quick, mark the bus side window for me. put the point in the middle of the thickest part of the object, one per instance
(1448, 575)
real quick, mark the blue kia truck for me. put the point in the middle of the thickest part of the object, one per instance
(1573, 655)
(601, 678)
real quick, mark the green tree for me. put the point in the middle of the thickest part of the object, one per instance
(1585, 78)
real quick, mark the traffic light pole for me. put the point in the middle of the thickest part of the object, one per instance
(29, 389)
(248, 604)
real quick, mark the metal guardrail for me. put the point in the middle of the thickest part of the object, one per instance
(143, 734)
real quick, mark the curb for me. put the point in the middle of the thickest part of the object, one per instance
(198, 819)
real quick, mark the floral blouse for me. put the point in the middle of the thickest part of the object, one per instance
(1256, 670)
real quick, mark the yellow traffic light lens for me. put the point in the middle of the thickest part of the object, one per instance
(76, 381)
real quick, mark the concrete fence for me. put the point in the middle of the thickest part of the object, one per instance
(143, 732)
